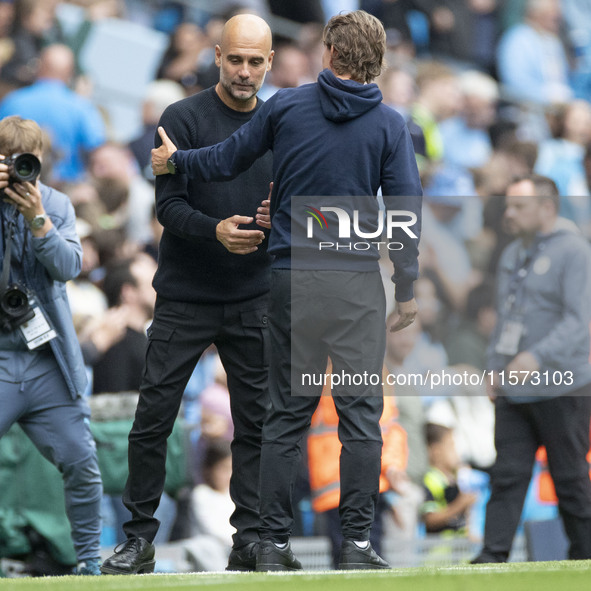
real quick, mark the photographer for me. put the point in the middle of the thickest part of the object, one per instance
(42, 375)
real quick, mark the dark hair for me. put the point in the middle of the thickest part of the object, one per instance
(359, 40)
(118, 274)
(544, 187)
(434, 433)
(479, 297)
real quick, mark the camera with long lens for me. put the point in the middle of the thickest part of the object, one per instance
(15, 307)
(22, 168)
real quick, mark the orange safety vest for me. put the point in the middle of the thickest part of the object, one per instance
(546, 489)
(324, 448)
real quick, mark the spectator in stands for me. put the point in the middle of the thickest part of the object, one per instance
(6, 19)
(510, 158)
(544, 312)
(34, 27)
(128, 287)
(446, 506)
(212, 507)
(113, 169)
(290, 69)
(467, 343)
(159, 95)
(438, 98)
(578, 31)
(180, 62)
(74, 125)
(42, 377)
(6, 43)
(531, 58)
(428, 352)
(399, 90)
(561, 159)
(444, 250)
(462, 32)
(466, 141)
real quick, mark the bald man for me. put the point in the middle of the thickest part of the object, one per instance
(73, 123)
(212, 284)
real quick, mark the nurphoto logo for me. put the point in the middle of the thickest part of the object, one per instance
(390, 219)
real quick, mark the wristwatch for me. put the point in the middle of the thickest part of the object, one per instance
(171, 165)
(38, 221)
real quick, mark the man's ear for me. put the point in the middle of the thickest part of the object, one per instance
(218, 56)
(333, 54)
(270, 61)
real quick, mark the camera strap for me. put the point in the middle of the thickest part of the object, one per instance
(5, 276)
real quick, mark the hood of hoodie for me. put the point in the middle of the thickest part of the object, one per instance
(342, 100)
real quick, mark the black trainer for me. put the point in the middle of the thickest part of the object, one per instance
(355, 558)
(272, 558)
(485, 558)
(135, 557)
(243, 559)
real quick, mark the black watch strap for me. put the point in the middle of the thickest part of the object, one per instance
(171, 165)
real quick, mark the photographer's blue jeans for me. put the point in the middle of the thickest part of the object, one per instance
(58, 426)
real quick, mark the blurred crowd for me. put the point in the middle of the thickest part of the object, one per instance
(491, 89)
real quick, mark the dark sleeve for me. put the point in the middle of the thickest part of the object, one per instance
(228, 159)
(402, 191)
(172, 197)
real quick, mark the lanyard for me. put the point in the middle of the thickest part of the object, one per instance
(520, 272)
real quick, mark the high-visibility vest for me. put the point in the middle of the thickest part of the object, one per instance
(545, 484)
(324, 449)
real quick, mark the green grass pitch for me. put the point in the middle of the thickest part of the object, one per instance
(537, 576)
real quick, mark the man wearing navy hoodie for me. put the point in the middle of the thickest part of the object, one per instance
(335, 139)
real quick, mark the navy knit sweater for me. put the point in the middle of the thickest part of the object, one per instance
(331, 138)
(193, 266)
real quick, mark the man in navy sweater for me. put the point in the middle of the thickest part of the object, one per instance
(207, 293)
(332, 139)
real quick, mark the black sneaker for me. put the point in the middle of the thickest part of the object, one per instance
(485, 558)
(135, 557)
(355, 558)
(243, 559)
(272, 558)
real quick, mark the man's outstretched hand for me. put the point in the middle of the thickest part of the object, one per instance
(161, 154)
(406, 314)
(236, 240)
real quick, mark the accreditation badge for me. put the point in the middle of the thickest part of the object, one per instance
(508, 343)
(37, 331)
